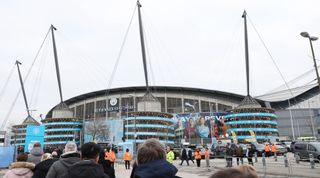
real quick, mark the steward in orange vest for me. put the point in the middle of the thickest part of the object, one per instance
(267, 149)
(106, 155)
(273, 148)
(197, 156)
(112, 157)
(127, 159)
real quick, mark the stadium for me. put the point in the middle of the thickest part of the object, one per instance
(192, 115)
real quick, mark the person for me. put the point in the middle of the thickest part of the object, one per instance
(202, 130)
(248, 169)
(267, 149)
(234, 173)
(43, 167)
(249, 154)
(229, 154)
(105, 163)
(88, 166)
(190, 131)
(151, 162)
(170, 155)
(54, 154)
(127, 159)
(112, 157)
(197, 156)
(274, 149)
(35, 153)
(207, 157)
(59, 169)
(239, 154)
(190, 156)
(184, 156)
(21, 168)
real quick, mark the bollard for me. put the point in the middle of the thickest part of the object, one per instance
(255, 157)
(263, 160)
(311, 161)
(275, 156)
(297, 158)
(286, 162)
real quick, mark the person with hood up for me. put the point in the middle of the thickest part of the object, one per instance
(151, 162)
(35, 154)
(43, 167)
(59, 169)
(88, 166)
(21, 168)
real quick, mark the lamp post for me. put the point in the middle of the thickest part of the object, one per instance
(312, 38)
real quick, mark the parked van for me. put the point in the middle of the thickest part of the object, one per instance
(303, 149)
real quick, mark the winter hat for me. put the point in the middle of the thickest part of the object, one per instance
(70, 147)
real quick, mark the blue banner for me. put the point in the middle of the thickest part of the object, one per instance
(34, 134)
(6, 155)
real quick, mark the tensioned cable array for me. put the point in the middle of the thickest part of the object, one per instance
(24, 80)
(119, 55)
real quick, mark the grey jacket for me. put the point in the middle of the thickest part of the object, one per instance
(35, 155)
(59, 169)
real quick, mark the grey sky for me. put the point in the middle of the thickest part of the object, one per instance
(191, 43)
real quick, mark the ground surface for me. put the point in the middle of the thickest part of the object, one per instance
(273, 169)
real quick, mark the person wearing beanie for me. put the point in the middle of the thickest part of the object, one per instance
(59, 169)
(35, 154)
(21, 168)
(43, 167)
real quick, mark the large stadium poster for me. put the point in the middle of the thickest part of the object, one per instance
(200, 125)
(34, 134)
(104, 131)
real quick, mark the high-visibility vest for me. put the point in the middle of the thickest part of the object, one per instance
(267, 148)
(106, 155)
(197, 155)
(127, 156)
(274, 148)
(207, 154)
(112, 156)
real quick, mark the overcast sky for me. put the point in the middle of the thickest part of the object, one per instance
(190, 43)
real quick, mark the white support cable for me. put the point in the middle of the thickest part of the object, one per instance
(7, 82)
(271, 57)
(120, 52)
(24, 80)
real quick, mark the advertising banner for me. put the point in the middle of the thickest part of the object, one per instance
(199, 125)
(34, 134)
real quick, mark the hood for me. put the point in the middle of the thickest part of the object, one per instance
(67, 162)
(36, 151)
(46, 164)
(86, 168)
(21, 168)
(165, 170)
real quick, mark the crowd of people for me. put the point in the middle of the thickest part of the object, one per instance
(153, 160)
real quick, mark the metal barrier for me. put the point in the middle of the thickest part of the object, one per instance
(255, 157)
(311, 161)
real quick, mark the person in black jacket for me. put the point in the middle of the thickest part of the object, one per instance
(229, 154)
(249, 153)
(88, 166)
(106, 165)
(190, 157)
(184, 156)
(43, 167)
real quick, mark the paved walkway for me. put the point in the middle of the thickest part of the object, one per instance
(273, 169)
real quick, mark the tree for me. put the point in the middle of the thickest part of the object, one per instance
(98, 129)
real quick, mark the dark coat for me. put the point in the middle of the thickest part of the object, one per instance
(190, 154)
(43, 167)
(229, 152)
(86, 169)
(59, 169)
(155, 169)
(239, 151)
(184, 155)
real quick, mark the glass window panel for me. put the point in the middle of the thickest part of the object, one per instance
(191, 105)
(100, 110)
(174, 105)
